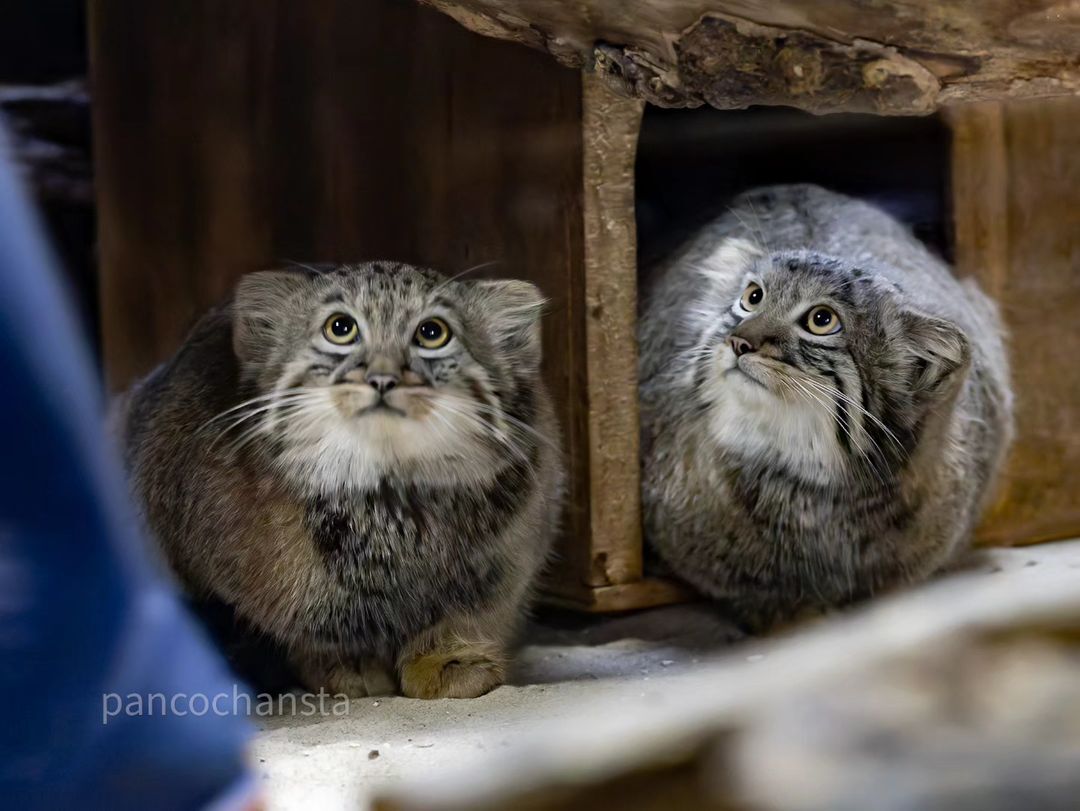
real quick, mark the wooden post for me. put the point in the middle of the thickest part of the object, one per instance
(607, 573)
(1016, 208)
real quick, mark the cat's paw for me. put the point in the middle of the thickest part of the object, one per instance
(450, 675)
(344, 680)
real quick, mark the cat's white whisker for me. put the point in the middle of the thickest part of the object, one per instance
(826, 407)
(859, 407)
(270, 408)
(485, 428)
(280, 396)
(454, 277)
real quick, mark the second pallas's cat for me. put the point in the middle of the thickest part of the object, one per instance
(364, 465)
(824, 405)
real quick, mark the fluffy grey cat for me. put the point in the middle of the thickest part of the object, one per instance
(824, 405)
(363, 463)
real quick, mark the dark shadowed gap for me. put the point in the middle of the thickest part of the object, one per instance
(691, 162)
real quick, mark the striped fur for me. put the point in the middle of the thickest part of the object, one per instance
(376, 545)
(815, 470)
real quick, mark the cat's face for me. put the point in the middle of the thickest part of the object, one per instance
(383, 368)
(820, 364)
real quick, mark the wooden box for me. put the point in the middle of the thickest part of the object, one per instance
(236, 135)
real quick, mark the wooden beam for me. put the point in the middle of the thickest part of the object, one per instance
(898, 57)
(611, 125)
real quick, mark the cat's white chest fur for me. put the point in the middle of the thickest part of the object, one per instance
(753, 421)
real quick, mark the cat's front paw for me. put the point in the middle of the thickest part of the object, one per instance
(340, 679)
(450, 675)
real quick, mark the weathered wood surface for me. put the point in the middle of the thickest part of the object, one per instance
(1016, 211)
(231, 137)
(898, 57)
(565, 590)
(610, 125)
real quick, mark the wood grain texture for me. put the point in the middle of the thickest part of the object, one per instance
(237, 135)
(979, 165)
(1016, 198)
(611, 126)
(895, 57)
(648, 592)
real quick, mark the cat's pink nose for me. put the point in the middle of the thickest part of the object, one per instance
(740, 346)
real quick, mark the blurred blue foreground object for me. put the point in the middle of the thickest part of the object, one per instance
(112, 699)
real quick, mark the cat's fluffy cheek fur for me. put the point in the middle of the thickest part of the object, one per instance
(798, 436)
(751, 419)
(332, 450)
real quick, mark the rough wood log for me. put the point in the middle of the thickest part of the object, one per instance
(963, 694)
(900, 57)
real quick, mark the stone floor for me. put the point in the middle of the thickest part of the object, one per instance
(631, 666)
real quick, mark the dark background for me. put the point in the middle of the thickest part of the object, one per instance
(42, 40)
(691, 162)
(44, 106)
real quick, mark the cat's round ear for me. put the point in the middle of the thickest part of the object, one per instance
(512, 309)
(260, 304)
(942, 353)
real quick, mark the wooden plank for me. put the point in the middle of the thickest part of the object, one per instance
(649, 592)
(237, 135)
(611, 127)
(979, 164)
(1016, 197)
(883, 56)
(499, 161)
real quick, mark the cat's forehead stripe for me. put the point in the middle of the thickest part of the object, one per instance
(795, 276)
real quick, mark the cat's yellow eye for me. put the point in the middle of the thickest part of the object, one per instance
(434, 333)
(752, 297)
(341, 329)
(822, 320)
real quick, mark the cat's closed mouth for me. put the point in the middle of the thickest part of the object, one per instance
(381, 407)
(746, 375)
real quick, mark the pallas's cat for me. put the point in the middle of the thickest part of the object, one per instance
(825, 406)
(364, 464)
